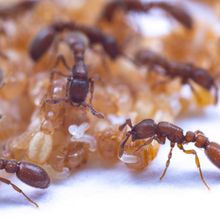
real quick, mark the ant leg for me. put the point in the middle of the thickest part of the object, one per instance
(4, 56)
(61, 59)
(91, 81)
(149, 141)
(168, 160)
(1, 78)
(55, 101)
(92, 110)
(127, 122)
(56, 72)
(216, 93)
(6, 181)
(52, 75)
(104, 58)
(195, 93)
(122, 145)
(180, 146)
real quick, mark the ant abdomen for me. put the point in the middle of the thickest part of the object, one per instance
(41, 43)
(33, 175)
(213, 153)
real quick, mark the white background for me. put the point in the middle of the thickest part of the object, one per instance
(101, 191)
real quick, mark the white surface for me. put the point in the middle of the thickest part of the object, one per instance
(100, 191)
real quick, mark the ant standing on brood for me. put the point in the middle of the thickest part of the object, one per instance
(78, 83)
(148, 129)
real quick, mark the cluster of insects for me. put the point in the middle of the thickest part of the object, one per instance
(66, 94)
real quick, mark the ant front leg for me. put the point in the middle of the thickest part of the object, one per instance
(147, 142)
(104, 59)
(122, 145)
(6, 181)
(56, 72)
(52, 76)
(168, 160)
(180, 146)
(127, 122)
(61, 59)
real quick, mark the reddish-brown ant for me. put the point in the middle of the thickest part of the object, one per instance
(137, 6)
(44, 39)
(16, 9)
(28, 173)
(78, 82)
(148, 129)
(186, 71)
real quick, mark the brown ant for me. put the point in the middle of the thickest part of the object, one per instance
(16, 9)
(148, 129)
(28, 173)
(78, 82)
(186, 71)
(137, 6)
(44, 39)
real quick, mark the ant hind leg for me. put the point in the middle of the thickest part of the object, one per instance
(91, 90)
(16, 188)
(92, 110)
(180, 146)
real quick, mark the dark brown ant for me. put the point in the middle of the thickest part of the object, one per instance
(173, 10)
(44, 39)
(28, 173)
(148, 129)
(186, 71)
(16, 9)
(78, 82)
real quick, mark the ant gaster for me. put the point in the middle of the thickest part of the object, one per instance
(186, 71)
(44, 39)
(16, 9)
(137, 6)
(149, 130)
(28, 173)
(78, 82)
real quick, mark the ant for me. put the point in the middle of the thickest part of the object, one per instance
(186, 71)
(28, 173)
(137, 6)
(44, 39)
(78, 83)
(148, 129)
(17, 8)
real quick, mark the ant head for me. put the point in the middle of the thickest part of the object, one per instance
(80, 70)
(202, 77)
(111, 46)
(41, 43)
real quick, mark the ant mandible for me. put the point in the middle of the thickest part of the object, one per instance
(78, 83)
(148, 129)
(17, 8)
(186, 71)
(28, 173)
(173, 10)
(44, 39)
